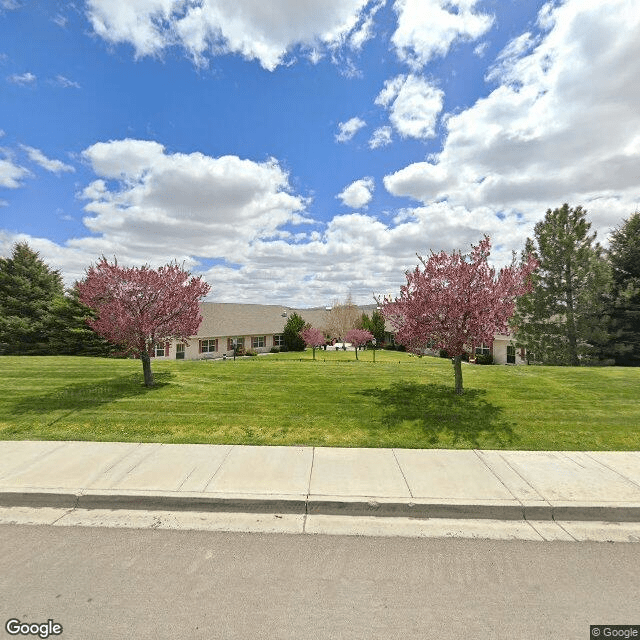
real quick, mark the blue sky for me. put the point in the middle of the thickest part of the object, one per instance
(296, 152)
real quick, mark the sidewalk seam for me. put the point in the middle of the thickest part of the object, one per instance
(119, 460)
(606, 466)
(500, 480)
(306, 501)
(402, 472)
(138, 463)
(525, 481)
(215, 473)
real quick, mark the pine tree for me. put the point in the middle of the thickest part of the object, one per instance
(375, 325)
(291, 334)
(29, 291)
(562, 321)
(71, 334)
(624, 256)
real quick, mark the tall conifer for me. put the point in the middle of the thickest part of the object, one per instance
(29, 289)
(624, 255)
(562, 320)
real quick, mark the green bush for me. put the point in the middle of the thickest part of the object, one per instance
(484, 359)
(274, 350)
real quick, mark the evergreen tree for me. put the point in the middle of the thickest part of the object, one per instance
(29, 291)
(562, 320)
(377, 327)
(624, 256)
(291, 334)
(71, 333)
(374, 325)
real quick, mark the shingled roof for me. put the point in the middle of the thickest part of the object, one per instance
(220, 319)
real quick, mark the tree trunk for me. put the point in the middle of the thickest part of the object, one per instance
(457, 369)
(146, 369)
(356, 352)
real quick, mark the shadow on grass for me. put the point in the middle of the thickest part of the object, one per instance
(87, 395)
(442, 417)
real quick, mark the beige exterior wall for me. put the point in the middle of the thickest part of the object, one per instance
(192, 350)
(500, 344)
(226, 317)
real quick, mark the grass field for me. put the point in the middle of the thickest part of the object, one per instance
(288, 399)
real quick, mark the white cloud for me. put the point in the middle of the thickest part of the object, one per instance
(263, 31)
(191, 204)
(414, 105)
(381, 137)
(55, 166)
(11, 173)
(428, 28)
(349, 129)
(358, 194)
(22, 79)
(561, 127)
(65, 83)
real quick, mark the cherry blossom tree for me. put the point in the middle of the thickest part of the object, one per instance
(313, 338)
(358, 338)
(456, 302)
(139, 308)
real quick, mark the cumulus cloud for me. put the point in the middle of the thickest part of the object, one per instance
(349, 129)
(55, 166)
(358, 194)
(561, 126)
(414, 105)
(428, 28)
(260, 31)
(191, 204)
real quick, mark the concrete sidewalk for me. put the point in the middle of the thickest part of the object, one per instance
(409, 483)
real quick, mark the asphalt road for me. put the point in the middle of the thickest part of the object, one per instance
(109, 583)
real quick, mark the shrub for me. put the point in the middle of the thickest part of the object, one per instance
(274, 350)
(484, 359)
(250, 352)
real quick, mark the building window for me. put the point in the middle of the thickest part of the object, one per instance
(209, 345)
(278, 340)
(483, 350)
(511, 354)
(180, 351)
(230, 343)
(159, 350)
(257, 342)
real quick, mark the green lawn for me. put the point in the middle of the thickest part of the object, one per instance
(288, 399)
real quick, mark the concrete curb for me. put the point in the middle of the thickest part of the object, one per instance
(320, 505)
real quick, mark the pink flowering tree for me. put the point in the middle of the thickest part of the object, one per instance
(139, 308)
(358, 338)
(457, 302)
(313, 338)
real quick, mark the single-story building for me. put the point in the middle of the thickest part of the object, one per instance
(256, 327)
(259, 327)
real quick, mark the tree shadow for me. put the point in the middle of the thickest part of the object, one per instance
(88, 395)
(442, 417)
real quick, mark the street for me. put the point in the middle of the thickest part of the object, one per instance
(112, 583)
